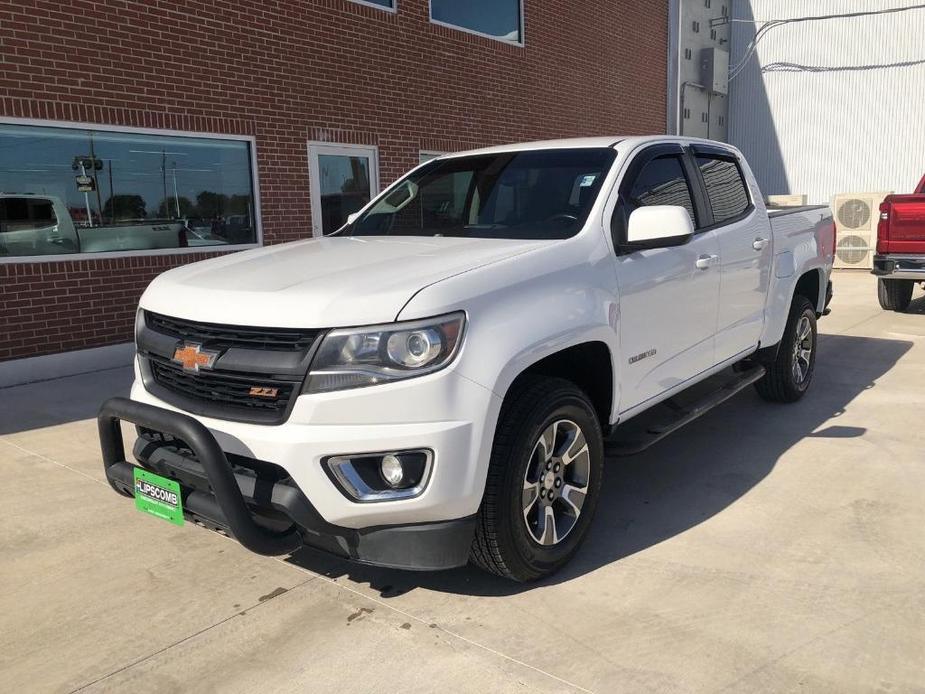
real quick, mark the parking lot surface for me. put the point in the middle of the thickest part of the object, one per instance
(762, 548)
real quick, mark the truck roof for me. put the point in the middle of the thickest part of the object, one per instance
(587, 142)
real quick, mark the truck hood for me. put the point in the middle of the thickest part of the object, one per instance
(320, 283)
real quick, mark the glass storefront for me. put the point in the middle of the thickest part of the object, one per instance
(74, 190)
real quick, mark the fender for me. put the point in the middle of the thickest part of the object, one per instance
(525, 309)
(812, 255)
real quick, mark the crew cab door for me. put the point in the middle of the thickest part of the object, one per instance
(668, 296)
(744, 236)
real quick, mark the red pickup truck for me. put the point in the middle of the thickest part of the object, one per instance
(900, 259)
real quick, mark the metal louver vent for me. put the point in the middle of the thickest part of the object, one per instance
(854, 214)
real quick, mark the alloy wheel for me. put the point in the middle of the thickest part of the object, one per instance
(556, 482)
(802, 350)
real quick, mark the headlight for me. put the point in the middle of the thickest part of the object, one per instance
(357, 357)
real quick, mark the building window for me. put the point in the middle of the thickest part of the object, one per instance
(89, 190)
(384, 4)
(722, 120)
(707, 3)
(713, 34)
(497, 19)
(724, 11)
(696, 27)
(704, 118)
(343, 178)
(687, 53)
(687, 113)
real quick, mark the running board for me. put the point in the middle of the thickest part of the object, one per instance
(649, 434)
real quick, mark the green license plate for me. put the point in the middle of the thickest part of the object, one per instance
(158, 496)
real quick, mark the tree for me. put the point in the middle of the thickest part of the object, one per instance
(168, 208)
(120, 208)
(209, 204)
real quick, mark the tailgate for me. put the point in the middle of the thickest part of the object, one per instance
(902, 225)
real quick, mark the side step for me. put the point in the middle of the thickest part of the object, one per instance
(636, 436)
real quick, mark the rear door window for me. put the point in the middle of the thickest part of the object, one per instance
(726, 188)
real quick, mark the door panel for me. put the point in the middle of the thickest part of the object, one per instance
(667, 316)
(668, 296)
(745, 248)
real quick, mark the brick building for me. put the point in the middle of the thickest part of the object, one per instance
(135, 136)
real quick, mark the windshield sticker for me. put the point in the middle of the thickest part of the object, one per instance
(587, 180)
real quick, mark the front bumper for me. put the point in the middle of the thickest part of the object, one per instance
(268, 514)
(899, 267)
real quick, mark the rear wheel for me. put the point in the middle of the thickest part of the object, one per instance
(544, 479)
(894, 295)
(788, 377)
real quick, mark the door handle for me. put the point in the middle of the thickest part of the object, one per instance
(759, 244)
(705, 261)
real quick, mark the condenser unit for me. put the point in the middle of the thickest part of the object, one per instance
(856, 216)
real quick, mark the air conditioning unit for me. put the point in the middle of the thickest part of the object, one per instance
(856, 216)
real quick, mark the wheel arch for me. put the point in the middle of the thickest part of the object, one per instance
(589, 365)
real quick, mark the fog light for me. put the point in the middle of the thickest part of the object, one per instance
(392, 471)
(385, 476)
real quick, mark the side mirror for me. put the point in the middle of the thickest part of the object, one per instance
(659, 226)
(351, 218)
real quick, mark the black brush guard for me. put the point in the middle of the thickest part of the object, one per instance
(423, 546)
(234, 513)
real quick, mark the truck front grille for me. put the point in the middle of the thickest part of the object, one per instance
(226, 336)
(256, 376)
(247, 393)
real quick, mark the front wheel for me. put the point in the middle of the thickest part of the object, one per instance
(789, 375)
(544, 480)
(895, 295)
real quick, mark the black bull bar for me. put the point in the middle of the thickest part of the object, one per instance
(227, 493)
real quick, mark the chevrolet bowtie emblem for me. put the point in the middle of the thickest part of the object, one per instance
(193, 357)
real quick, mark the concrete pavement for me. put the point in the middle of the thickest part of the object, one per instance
(762, 548)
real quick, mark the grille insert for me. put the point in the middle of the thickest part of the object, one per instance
(224, 390)
(228, 336)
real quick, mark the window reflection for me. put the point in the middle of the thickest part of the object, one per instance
(66, 190)
(345, 188)
(498, 19)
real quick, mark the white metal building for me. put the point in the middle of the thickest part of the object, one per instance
(829, 106)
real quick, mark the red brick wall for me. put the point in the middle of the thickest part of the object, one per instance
(289, 71)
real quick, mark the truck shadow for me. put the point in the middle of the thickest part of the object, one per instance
(682, 481)
(917, 306)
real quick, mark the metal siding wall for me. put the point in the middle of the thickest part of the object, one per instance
(851, 126)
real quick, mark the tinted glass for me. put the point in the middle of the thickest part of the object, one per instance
(725, 188)
(381, 3)
(344, 188)
(497, 18)
(109, 191)
(662, 182)
(515, 195)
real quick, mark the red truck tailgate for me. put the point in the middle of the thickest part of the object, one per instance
(902, 224)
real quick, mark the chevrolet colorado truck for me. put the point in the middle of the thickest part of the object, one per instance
(437, 381)
(899, 262)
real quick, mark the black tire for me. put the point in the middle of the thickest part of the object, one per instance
(895, 295)
(503, 542)
(783, 382)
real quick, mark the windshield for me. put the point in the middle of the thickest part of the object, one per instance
(545, 194)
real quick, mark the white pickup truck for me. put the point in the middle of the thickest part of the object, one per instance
(35, 225)
(438, 381)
